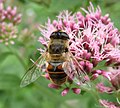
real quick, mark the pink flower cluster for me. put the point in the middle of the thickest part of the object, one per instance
(93, 38)
(9, 18)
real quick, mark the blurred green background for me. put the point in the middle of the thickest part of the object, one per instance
(15, 60)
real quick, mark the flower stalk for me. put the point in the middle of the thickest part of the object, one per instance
(15, 53)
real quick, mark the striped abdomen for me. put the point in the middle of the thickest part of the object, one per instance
(56, 73)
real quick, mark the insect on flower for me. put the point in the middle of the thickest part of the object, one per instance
(59, 63)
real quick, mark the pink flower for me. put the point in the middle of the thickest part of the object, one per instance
(106, 75)
(46, 76)
(107, 104)
(93, 39)
(65, 92)
(76, 90)
(102, 88)
(115, 77)
(9, 18)
(51, 85)
(90, 39)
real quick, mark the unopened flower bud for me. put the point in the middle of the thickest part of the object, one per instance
(46, 76)
(115, 80)
(104, 89)
(82, 63)
(94, 76)
(106, 75)
(17, 19)
(13, 12)
(99, 71)
(65, 92)
(5, 12)
(9, 9)
(51, 85)
(86, 78)
(19, 16)
(89, 66)
(95, 62)
(79, 16)
(9, 17)
(76, 90)
(105, 19)
(98, 15)
(55, 22)
(88, 55)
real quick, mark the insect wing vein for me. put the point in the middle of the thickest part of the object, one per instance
(34, 72)
(73, 69)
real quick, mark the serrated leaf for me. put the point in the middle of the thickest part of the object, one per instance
(4, 55)
(9, 81)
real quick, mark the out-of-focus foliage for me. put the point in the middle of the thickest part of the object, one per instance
(14, 60)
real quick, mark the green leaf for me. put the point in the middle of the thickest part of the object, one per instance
(4, 55)
(101, 65)
(42, 2)
(82, 92)
(9, 81)
(60, 5)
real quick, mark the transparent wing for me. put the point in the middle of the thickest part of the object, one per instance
(75, 71)
(34, 72)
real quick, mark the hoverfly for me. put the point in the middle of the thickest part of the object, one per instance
(60, 63)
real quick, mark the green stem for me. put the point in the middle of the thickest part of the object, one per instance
(18, 56)
(92, 91)
(117, 94)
